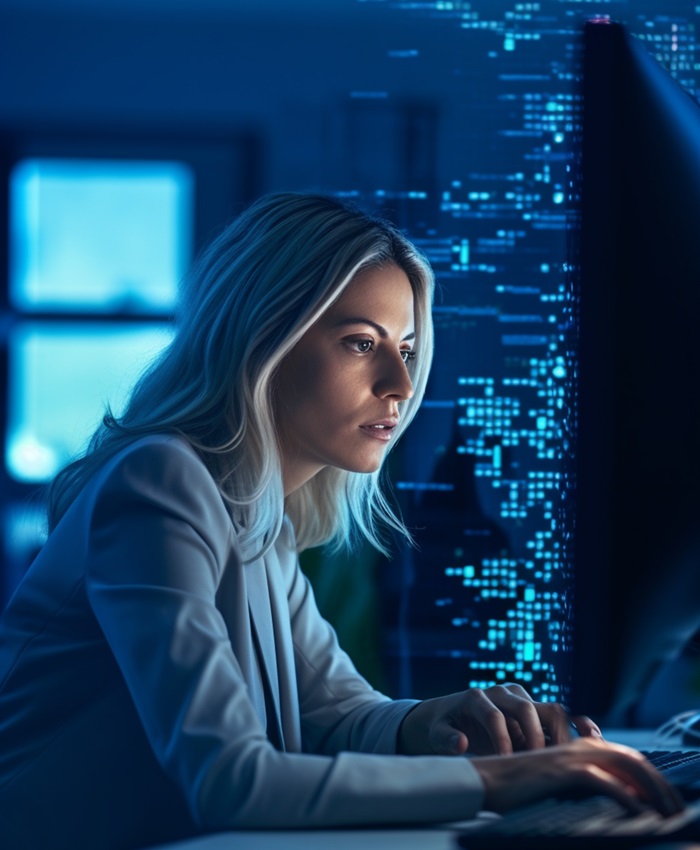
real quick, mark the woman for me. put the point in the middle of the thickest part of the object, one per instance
(164, 668)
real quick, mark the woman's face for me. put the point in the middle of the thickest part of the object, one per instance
(338, 390)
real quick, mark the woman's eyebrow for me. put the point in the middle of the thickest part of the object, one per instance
(360, 320)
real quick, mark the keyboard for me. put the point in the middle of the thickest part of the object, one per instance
(598, 822)
(680, 767)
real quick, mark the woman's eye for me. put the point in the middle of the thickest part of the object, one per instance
(362, 345)
(408, 354)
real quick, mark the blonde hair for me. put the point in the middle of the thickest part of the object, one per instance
(248, 300)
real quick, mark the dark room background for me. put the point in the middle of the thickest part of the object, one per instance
(132, 130)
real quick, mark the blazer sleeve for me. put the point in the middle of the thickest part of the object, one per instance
(157, 538)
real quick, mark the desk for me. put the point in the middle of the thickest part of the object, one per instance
(354, 839)
(640, 739)
(340, 839)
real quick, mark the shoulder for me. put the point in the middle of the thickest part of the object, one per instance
(156, 450)
(159, 461)
(160, 472)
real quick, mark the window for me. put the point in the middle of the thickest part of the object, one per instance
(100, 232)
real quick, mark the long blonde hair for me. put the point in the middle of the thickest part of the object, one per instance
(246, 302)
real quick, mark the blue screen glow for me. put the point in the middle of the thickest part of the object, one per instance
(60, 378)
(99, 235)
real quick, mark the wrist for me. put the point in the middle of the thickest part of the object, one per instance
(406, 743)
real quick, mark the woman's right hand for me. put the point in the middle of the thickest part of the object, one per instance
(586, 767)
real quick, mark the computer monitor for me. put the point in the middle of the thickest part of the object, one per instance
(637, 500)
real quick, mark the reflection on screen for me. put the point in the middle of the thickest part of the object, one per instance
(99, 235)
(60, 378)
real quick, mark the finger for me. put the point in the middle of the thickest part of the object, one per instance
(518, 690)
(631, 766)
(555, 719)
(525, 713)
(593, 780)
(516, 735)
(556, 722)
(515, 702)
(489, 718)
(586, 728)
(655, 791)
(445, 740)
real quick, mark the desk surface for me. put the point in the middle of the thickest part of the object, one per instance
(345, 839)
(353, 839)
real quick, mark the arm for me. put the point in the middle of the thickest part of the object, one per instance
(158, 542)
(585, 767)
(339, 709)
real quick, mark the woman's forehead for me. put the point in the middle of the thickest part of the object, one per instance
(384, 290)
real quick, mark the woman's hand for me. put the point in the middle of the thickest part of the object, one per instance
(582, 768)
(498, 720)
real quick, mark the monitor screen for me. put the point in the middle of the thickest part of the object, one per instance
(637, 498)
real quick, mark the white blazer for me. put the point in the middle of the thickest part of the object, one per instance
(153, 687)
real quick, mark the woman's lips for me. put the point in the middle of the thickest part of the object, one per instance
(381, 430)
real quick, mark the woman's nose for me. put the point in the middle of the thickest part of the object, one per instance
(393, 380)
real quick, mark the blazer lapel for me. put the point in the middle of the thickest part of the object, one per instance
(289, 703)
(233, 601)
(263, 630)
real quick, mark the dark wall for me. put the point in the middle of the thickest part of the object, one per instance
(284, 74)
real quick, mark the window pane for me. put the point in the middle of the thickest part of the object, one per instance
(99, 235)
(60, 378)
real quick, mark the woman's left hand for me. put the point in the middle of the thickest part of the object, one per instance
(497, 720)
